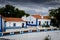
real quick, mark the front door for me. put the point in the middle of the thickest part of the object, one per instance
(39, 23)
(22, 25)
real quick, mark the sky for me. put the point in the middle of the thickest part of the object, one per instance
(41, 7)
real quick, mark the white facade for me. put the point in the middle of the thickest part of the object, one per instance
(15, 24)
(43, 21)
(29, 19)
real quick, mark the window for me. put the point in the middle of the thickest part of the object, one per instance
(29, 22)
(22, 25)
(32, 22)
(46, 22)
(39, 23)
(26, 22)
(14, 24)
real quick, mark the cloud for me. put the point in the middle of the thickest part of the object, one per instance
(41, 10)
(33, 6)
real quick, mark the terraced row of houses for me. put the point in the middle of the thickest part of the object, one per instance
(24, 22)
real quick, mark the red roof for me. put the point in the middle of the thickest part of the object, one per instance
(37, 16)
(40, 17)
(46, 17)
(13, 19)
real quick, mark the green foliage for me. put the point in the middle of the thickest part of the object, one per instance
(11, 11)
(56, 14)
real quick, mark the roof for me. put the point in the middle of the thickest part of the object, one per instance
(13, 19)
(41, 17)
(46, 17)
(37, 16)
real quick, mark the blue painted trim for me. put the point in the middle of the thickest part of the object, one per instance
(33, 24)
(13, 27)
(0, 34)
(1, 24)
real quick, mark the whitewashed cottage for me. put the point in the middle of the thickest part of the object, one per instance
(36, 20)
(14, 23)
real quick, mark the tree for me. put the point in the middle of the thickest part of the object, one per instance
(11, 11)
(56, 14)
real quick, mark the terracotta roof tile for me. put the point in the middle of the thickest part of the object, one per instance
(13, 19)
(37, 16)
(46, 17)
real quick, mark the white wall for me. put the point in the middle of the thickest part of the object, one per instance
(18, 24)
(29, 19)
(43, 21)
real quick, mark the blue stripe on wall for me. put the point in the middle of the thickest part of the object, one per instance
(13, 27)
(1, 24)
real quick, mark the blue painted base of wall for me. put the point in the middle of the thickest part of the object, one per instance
(31, 24)
(14, 27)
(0, 24)
(0, 34)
